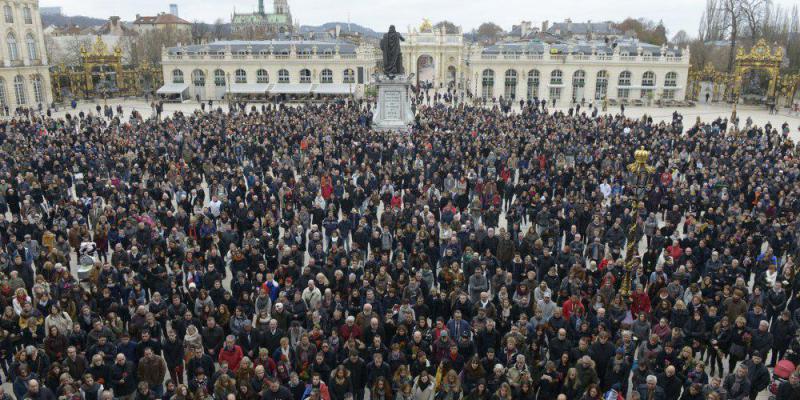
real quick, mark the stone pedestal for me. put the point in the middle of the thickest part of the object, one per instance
(393, 111)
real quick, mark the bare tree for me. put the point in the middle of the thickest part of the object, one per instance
(200, 32)
(753, 13)
(67, 50)
(219, 29)
(681, 38)
(732, 14)
(449, 27)
(745, 22)
(148, 46)
(711, 22)
(490, 31)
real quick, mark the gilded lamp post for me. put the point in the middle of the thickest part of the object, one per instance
(639, 176)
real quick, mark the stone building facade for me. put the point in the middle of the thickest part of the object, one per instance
(24, 75)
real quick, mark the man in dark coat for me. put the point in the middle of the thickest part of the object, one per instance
(671, 384)
(276, 391)
(737, 385)
(123, 377)
(651, 390)
(602, 352)
(358, 373)
(791, 389)
(757, 373)
(36, 391)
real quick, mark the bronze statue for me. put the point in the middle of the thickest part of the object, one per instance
(392, 59)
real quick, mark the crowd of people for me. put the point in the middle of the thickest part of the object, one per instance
(279, 252)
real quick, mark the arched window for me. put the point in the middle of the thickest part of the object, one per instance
(26, 14)
(177, 76)
(9, 13)
(13, 52)
(556, 77)
(648, 85)
(33, 52)
(198, 78)
(349, 76)
(305, 76)
(533, 84)
(671, 79)
(670, 85)
(601, 85)
(326, 76)
(648, 79)
(262, 76)
(37, 89)
(240, 76)
(578, 82)
(219, 78)
(283, 76)
(510, 91)
(487, 85)
(624, 83)
(19, 90)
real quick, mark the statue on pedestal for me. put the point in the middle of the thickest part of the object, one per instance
(392, 58)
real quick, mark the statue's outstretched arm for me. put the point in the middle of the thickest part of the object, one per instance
(401, 37)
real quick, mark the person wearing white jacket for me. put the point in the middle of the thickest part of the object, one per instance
(423, 387)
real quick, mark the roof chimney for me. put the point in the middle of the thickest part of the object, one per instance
(545, 25)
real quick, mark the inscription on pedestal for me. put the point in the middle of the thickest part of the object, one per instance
(393, 108)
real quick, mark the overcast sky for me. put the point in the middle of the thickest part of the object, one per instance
(379, 14)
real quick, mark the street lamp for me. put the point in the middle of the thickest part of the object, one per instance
(638, 177)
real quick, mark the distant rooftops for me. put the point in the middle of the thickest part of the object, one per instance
(160, 19)
(582, 28)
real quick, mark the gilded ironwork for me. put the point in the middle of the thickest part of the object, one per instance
(728, 86)
(721, 82)
(760, 57)
(640, 174)
(426, 25)
(101, 73)
(788, 85)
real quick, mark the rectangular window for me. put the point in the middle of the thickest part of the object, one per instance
(623, 93)
(555, 93)
(37, 90)
(19, 92)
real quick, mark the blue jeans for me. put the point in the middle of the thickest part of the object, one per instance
(158, 390)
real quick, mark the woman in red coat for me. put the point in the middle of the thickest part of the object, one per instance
(640, 303)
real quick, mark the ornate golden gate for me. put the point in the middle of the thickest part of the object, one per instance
(102, 74)
(761, 57)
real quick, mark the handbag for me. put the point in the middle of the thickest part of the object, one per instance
(737, 351)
